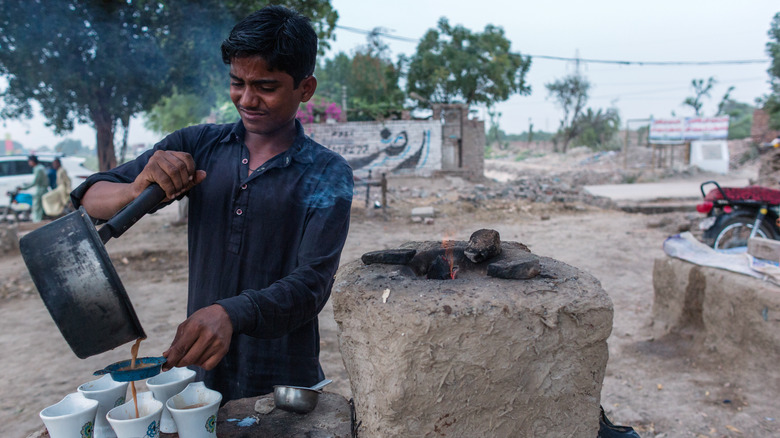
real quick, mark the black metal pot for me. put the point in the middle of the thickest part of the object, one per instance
(71, 269)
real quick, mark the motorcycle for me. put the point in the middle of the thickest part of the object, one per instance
(736, 214)
(18, 207)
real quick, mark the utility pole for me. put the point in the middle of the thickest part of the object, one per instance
(344, 102)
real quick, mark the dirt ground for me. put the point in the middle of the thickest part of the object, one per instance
(654, 385)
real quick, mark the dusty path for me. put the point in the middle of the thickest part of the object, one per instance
(654, 387)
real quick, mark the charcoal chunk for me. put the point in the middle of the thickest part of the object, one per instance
(389, 256)
(518, 269)
(483, 245)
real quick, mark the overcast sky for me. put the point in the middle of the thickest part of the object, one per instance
(612, 30)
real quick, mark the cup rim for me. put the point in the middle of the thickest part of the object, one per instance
(112, 387)
(152, 413)
(185, 372)
(198, 409)
(88, 403)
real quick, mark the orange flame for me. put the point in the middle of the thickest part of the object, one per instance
(449, 255)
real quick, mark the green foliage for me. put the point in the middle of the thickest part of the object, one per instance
(101, 62)
(454, 65)
(495, 132)
(773, 50)
(176, 111)
(700, 90)
(571, 95)
(740, 117)
(772, 102)
(369, 81)
(597, 128)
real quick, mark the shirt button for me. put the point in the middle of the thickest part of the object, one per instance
(243, 187)
(239, 212)
(244, 161)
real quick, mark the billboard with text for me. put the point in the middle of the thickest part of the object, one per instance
(689, 128)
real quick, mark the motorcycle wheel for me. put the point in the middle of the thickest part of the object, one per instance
(734, 231)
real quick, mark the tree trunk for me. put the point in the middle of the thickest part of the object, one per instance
(106, 155)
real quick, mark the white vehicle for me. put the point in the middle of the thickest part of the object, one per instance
(15, 172)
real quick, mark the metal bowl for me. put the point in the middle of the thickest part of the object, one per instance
(296, 399)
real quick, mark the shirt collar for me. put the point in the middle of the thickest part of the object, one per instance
(301, 149)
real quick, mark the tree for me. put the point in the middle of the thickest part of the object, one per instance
(571, 95)
(700, 90)
(101, 62)
(369, 81)
(772, 102)
(452, 64)
(597, 128)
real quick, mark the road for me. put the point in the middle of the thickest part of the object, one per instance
(677, 190)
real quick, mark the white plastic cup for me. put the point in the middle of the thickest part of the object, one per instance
(71, 417)
(125, 424)
(109, 394)
(195, 411)
(164, 386)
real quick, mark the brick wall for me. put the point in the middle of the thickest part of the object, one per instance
(759, 131)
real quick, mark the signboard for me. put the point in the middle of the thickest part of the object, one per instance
(689, 128)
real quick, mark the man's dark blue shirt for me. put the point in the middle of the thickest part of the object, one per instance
(264, 245)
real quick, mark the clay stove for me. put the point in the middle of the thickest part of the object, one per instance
(514, 345)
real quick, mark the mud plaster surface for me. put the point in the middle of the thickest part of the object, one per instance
(717, 311)
(474, 356)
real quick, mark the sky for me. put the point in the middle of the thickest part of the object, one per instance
(661, 31)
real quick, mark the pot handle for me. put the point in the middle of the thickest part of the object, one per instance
(132, 212)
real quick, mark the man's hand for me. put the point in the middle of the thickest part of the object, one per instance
(202, 339)
(173, 171)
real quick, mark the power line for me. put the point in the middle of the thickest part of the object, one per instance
(604, 61)
(576, 59)
(377, 32)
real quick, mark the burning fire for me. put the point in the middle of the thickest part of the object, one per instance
(449, 257)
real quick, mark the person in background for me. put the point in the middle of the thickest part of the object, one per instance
(268, 215)
(41, 184)
(55, 201)
(51, 173)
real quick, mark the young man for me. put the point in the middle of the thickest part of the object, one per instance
(268, 215)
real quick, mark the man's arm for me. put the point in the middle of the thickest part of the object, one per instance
(173, 171)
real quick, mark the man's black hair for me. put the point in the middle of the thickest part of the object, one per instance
(33, 158)
(284, 38)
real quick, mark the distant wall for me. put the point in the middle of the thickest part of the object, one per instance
(448, 143)
(396, 146)
(759, 131)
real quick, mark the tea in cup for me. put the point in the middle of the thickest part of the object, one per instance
(195, 411)
(164, 386)
(109, 394)
(146, 423)
(72, 417)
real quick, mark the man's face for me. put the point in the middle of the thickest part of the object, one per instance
(266, 99)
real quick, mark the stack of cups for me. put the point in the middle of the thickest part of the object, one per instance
(164, 386)
(109, 394)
